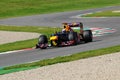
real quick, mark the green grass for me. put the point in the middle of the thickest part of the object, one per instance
(103, 14)
(12, 8)
(42, 30)
(26, 43)
(77, 56)
(15, 70)
(18, 45)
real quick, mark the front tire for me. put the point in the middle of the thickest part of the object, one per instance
(42, 41)
(72, 36)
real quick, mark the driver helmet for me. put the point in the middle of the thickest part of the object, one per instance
(67, 28)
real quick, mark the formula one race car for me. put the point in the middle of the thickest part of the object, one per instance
(66, 37)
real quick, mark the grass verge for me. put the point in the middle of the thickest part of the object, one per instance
(13, 8)
(103, 14)
(81, 55)
(27, 43)
(18, 45)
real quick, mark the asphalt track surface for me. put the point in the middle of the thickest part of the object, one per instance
(55, 19)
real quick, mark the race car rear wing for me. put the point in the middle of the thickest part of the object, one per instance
(74, 24)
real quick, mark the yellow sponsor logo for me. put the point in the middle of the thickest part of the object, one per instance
(54, 38)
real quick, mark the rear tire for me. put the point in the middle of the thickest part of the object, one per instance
(87, 34)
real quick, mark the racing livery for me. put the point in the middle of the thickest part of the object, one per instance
(66, 37)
